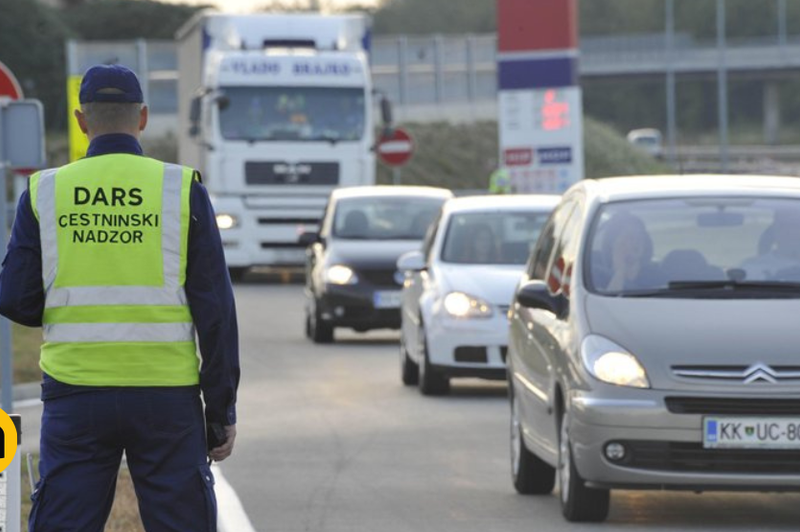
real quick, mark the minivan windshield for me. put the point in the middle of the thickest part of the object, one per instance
(736, 246)
(499, 237)
(293, 113)
(385, 217)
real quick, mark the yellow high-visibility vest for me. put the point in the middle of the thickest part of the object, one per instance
(114, 233)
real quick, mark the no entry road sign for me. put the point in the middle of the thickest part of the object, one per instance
(396, 148)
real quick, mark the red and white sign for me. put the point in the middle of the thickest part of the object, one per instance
(518, 156)
(9, 86)
(396, 149)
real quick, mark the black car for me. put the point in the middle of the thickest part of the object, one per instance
(351, 272)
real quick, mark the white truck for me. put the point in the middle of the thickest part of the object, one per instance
(275, 110)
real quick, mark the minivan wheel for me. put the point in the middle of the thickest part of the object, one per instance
(531, 475)
(578, 502)
(409, 371)
(431, 382)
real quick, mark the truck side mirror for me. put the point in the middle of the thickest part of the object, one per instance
(386, 111)
(194, 116)
(223, 102)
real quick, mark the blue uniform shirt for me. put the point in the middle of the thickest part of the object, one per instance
(210, 298)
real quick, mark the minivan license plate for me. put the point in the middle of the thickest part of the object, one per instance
(387, 299)
(751, 432)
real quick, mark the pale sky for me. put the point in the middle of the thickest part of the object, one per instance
(247, 6)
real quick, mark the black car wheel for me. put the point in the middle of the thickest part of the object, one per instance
(317, 330)
(578, 502)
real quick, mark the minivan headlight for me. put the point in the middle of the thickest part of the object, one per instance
(611, 363)
(461, 305)
(341, 275)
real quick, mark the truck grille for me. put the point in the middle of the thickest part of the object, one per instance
(284, 173)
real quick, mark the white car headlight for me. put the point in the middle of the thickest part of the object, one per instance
(461, 305)
(608, 362)
(340, 274)
(226, 221)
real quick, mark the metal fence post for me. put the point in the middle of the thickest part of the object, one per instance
(471, 80)
(402, 70)
(671, 108)
(722, 88)
(438, 68)
(143, 68)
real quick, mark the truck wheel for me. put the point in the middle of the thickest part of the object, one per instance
(531, 474)
(237, 273)
(578, 502)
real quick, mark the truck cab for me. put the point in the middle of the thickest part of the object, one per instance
(281, 115)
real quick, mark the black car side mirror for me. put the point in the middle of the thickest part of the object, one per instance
(535, 294)
(309, 238)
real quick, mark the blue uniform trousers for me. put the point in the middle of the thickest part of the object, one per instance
(162, 433)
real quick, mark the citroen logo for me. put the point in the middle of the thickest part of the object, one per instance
(760, 373)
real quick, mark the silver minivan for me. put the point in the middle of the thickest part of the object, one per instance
(655, 341)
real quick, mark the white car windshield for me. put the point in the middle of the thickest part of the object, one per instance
(293, 113)
(704, 243)
(385, 218)
(492, 237)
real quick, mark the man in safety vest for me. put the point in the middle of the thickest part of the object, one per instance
(118, 257)
(500, 182)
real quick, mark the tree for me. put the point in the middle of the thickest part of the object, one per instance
(31, 44)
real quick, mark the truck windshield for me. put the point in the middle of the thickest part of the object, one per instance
(293, 113)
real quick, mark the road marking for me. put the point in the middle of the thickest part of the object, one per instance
(230, 512)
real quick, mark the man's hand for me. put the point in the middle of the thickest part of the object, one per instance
(218, 454)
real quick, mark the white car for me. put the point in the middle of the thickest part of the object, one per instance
(458, 288)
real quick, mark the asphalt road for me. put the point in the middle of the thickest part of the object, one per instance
(330, 440)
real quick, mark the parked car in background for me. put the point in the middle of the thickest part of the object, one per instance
(351, 273)
(648, 140)
(653, 342)
(459, 286)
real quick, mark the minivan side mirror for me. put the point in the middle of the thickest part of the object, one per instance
(413, 261)
(309, 238)
(535, 294)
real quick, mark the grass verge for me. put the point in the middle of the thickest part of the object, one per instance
(124, 514)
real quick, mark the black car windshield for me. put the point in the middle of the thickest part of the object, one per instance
(712, 246)
(292, 113)
(495, 237)
(385, 217)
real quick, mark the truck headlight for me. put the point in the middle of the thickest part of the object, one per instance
(461, 305)
(227, 221)
(610, 363)
(341, 275)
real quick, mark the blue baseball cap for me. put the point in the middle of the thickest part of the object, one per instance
(117, 77)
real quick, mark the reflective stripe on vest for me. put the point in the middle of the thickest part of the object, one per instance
(116, 333)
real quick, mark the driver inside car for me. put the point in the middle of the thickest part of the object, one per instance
(780, 258)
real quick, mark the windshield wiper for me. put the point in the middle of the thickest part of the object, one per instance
(731, 284)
